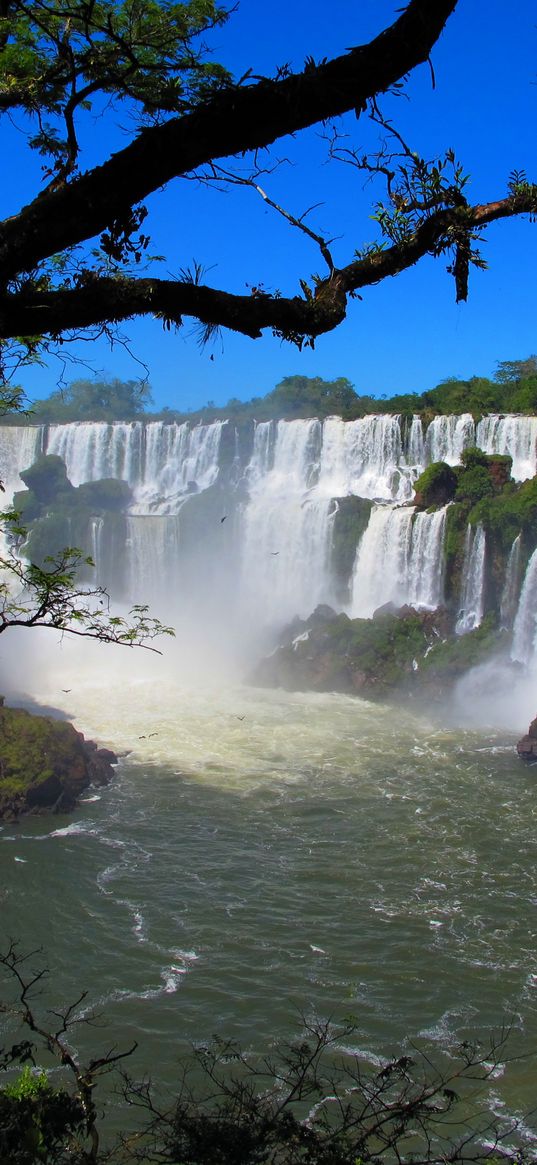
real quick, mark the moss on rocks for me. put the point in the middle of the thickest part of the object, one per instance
(435, 486)
(406, 651)
(367, 657)
(45, 764)
(109, 494)
(448, 659)
(56, 514)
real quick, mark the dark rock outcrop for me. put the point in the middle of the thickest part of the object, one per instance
(46, 764)
(399, 650)
(527, 746)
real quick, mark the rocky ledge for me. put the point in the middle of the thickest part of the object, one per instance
(399, 652)
(527, 747)
(46, 764)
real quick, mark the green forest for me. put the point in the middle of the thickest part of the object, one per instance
(513, 389)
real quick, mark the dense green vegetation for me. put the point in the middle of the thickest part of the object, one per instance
(396, 651)
(436, 485)
(513, 389)
(94, 400)
(482, 491)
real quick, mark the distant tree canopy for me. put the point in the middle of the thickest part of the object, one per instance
(73, 260)
(94, 400)
(311, 396)
(512, 390)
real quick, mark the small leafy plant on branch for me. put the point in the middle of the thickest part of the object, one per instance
(42, 1123)
(52, 596)
(73, 259)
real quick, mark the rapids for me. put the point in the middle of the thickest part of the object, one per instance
(262, 855)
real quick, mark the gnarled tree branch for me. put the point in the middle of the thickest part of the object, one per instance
(297, 318)
(233, 121)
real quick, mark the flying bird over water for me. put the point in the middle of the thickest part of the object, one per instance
(66, 690)
(223, 519)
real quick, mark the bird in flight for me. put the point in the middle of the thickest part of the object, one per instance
(66, 690)
(223, 519)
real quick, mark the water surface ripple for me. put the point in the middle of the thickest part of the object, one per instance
(262, 855)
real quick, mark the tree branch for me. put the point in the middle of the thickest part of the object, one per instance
(296, 318)
(235, 120)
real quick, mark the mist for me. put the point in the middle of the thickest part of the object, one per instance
(229, 535)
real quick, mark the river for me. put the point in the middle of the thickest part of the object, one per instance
(263, 855)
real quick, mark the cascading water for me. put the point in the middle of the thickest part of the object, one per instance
(242, 525)
(426, 560)
(515, 436)
(447, 437)
(380, 572)
(159, 461)
(366, 458)
(19, 447)
(473, 573)
(399, 561)
(284, 525)
(508, 601)
(525, 627)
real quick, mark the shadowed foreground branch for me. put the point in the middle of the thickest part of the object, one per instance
(75, 258)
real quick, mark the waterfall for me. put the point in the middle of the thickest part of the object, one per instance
(366, 458)
(447, 437)
(381, 562)
(284, 525)
(152, 548)
(416, 444)
(161, 462)
(96, 551)
(95, 449)
(19, 447)
(515, 436)
(240, 522)
(262, 454)
(426, 560)
(508, 600)
(525, 626)
(399, 560)
(473, 573)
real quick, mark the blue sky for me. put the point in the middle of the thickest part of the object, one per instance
(407, 333)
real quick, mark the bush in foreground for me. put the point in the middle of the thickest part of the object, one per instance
(313, 1102)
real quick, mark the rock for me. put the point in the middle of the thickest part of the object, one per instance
(527, 747)
(400, 650)
(436, 486)
(45, 764)
(100, 764)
